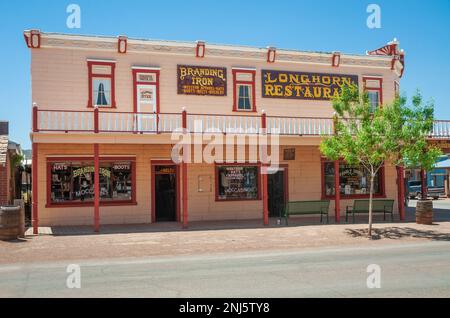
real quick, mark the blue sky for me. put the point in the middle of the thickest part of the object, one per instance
(422, 27)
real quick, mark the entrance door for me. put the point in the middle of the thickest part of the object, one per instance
(277, 192)
(165, 193)
(146, 103)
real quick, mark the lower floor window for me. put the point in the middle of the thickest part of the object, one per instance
(73, 181)
(353, 180)
(237, 182)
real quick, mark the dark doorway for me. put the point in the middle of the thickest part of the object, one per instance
(277, 192)
(165, 193)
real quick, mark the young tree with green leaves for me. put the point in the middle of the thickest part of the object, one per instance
(393, 134)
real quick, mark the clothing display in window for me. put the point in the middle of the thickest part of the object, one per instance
(74, 181)
(237, 183)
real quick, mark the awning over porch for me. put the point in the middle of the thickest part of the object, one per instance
(443, 164)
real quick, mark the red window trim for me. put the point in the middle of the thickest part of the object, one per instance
(216, 180)
(351, 196)
(111, 76)
(379, 90)
(235, 91)
(50, 204)
(135, 71)
(153, 164)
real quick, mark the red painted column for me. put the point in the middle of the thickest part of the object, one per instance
(423, 174)
(337, 198)
(184, 174)
(185, 195)
(35, 188)
(265, 195)
(264, 121)
(401, 192)
(264, 177)
(96, 188)
(35, 118)
(184, 118)
(96, 125)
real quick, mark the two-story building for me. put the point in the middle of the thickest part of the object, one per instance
(105, 108)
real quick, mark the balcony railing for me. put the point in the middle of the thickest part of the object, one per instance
(223, 123)
(441, 129)
(312, 126)
(96, 121)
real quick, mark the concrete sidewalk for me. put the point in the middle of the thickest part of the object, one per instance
(80, 243)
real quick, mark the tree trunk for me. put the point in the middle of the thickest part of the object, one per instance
(372, 177)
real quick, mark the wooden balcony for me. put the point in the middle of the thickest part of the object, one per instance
(95, 121)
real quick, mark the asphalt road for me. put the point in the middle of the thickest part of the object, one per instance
(407, 270)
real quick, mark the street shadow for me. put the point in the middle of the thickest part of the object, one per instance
(395, 233)
(16, 241)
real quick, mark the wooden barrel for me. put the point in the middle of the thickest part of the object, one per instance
(9, 222)
(424, 212)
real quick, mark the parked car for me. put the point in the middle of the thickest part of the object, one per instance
(415, 190)
(436, 192)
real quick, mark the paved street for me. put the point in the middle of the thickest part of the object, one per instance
(233, 259)
(411, 270)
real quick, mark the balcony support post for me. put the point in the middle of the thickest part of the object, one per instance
(401, 192)
(35, 188)
(184, 172)
(96, 126)
(265, 194)
(264, 121)
(337, 193)
(96, 188)
(35, 118)
(264, 171)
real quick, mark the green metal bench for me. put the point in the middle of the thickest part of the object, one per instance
(378, 206)
(307, 207)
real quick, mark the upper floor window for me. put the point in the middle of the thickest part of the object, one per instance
(244, 90)
(373, 86)
(101, 83)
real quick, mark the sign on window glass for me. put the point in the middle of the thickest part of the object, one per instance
(73, 182)
(237, 183)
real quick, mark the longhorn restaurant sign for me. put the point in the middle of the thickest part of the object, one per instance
(300, 85)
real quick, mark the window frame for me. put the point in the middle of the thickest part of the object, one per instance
(379, 90)
(382, 193)
(235, 164)
(250, 83)
(52, 160)
(91, 76)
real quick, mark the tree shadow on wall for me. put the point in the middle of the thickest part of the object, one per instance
(395, 233)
